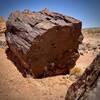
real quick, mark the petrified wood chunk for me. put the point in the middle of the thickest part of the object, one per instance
(87, 87)
(45, 43)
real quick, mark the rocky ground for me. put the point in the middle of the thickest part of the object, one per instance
(13, 86)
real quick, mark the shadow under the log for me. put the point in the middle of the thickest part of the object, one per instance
(16, 62)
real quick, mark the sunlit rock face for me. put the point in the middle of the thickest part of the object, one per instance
(43, 43)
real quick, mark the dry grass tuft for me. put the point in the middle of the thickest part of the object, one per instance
(77, 71)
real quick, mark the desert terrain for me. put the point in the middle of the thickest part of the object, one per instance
(13, 86)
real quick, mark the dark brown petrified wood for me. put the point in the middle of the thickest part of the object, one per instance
(87, 87)
(44, 43)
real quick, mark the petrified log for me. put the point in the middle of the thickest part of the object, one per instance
(87, 87)
(45, 43)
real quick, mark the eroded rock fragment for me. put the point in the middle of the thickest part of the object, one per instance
(87, 87)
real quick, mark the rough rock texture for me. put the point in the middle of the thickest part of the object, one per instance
(88, 85)
(44, 43)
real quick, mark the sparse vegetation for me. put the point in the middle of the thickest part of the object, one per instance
(91, 30)
(77, 71)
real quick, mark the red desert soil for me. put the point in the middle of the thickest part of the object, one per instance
(13, 86)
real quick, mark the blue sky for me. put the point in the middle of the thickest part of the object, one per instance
(88, 11)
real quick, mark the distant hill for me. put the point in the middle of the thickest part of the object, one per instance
(91, 30)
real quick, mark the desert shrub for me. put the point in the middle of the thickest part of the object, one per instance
(1, 19)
